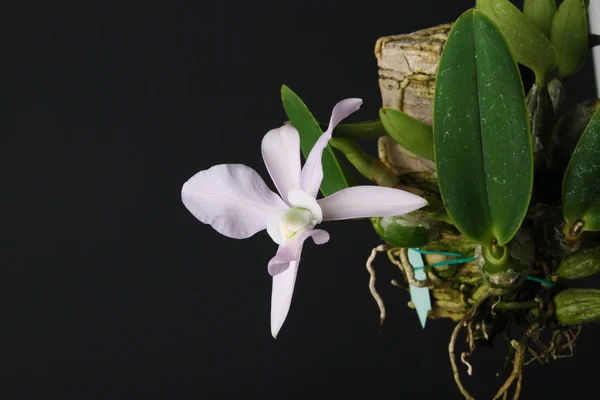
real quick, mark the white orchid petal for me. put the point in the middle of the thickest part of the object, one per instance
(312, 172)
(281, 297)
(281, 154)
(284, 282)
(291, 250)
(342, 110)
(297, 198)
(369, 201)
(232, 198)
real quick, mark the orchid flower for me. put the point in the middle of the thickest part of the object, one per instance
(237, 203)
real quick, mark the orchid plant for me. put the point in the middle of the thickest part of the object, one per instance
(454, 180)
(237, 203)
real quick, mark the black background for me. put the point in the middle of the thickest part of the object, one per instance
(109, 287)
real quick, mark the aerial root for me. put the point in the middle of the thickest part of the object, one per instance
(451, 349)
(571, 337)
(407, 269)
(463, 359)
(374, 293)
(470, 337)
(517, 372)
(519, 385)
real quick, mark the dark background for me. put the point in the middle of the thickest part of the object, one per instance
(110, 288)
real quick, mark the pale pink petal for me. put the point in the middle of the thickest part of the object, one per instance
(283, 285)
(281, 296)
(369, 201)
(232, 198)
(291, 250)
(281, 153)
(312, 172)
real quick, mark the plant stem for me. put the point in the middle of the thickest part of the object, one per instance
(516, 305)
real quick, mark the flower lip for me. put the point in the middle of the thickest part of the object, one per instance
(300, 199)
(294, 220)
(304, 213)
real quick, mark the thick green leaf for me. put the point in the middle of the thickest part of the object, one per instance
(581, 185)
(540, 12)
(335, 176)
(528, 45)
(408, 132)
(570, 36)
(358, 131)
(481, 132)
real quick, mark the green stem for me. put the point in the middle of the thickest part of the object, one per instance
(441, 215)
(541, 80)
(479, 292)
(361, 130)
(516, 305)
(368, 166)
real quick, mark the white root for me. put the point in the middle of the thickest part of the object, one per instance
(374, 293)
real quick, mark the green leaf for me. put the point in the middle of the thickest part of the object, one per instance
(540, 12)
(358, 131)
(581, 184)
(528, 45)
(481, 132)
(335, 176)
(570, 36)
(408, 132)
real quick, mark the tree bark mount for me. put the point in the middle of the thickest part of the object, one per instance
(407, 69)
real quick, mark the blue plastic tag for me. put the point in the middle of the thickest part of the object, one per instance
(419, 295)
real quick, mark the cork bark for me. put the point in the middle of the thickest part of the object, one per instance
(407, 68)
